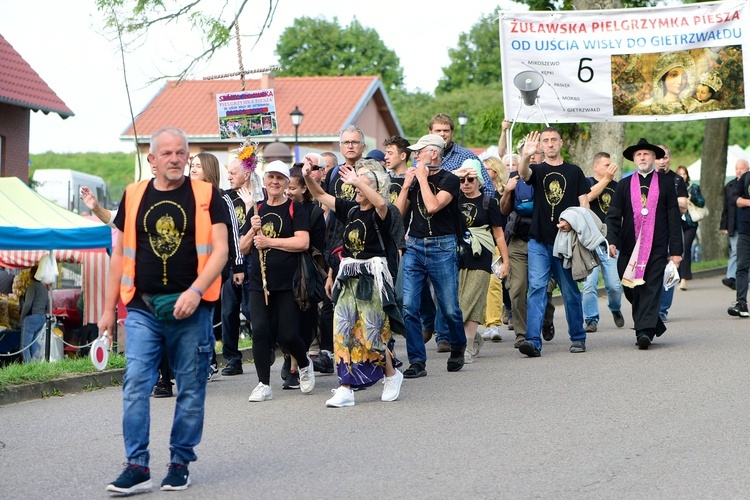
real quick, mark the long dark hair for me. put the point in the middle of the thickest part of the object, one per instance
(296, 173)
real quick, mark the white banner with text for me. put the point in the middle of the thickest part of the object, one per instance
(669, 63)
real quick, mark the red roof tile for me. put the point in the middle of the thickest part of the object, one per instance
(328, 103)
(21, 86)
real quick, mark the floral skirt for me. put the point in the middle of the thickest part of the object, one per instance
(361, 335)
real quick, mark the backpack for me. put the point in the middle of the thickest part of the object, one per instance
(524, 199)
(308, 284)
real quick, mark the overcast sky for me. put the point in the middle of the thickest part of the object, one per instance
(65, 43)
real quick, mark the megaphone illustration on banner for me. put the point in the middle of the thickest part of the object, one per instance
(529, 83)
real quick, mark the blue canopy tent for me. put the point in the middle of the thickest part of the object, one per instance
(28, 221)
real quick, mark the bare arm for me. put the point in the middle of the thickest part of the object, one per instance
(499, 235)
(432, 202)
(583, 200)
(529, 148)
(107, 321)
(316, 189)
(598, 188)
(350, 177)
(297, 243)
(682, 203)
(506, 204)
(502, 142)
(402, 202)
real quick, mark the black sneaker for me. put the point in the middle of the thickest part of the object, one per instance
(178, 478)
(643, 342)
(738, 308)
(729, 282)
(213, 369)
(286, 367)
(548, 332)
(232, 369)
(291, 381)
(323, 363)
(456, 360)
(529, 350)
(134, 479)
(619, 320)
(163, 389)
(519, 341)
(578, 346)
(415, 370)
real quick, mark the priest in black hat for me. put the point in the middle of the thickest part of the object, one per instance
(643, 223)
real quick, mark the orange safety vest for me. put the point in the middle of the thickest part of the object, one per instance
(134, 194)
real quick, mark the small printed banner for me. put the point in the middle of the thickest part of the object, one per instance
(673, 63)
(246, 114)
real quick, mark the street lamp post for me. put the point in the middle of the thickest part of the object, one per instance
(296, 117)
(463, 119)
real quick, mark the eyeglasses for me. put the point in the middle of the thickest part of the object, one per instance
(350, 144)
(317, 167)
(423, 150)
(467, 179)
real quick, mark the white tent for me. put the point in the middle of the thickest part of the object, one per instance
(734, 153)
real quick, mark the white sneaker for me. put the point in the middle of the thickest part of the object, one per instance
(342, 397)
(392, 387)
(307, 377)
(494, 334)
(262, 392)
(469, 355)
(477, 344)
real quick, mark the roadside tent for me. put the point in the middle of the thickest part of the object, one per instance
(30, 225)
(734, 153)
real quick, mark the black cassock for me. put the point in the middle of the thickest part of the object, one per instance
(667, 241)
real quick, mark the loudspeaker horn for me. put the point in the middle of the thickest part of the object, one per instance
(529, 83)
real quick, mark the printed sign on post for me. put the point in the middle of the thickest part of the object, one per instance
(246, 114)
(673, 63)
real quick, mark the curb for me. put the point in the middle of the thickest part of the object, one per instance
(73, 384)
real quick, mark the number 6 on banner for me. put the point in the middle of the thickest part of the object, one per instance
(582, 68)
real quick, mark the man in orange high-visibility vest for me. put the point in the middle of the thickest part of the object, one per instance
(166, 266)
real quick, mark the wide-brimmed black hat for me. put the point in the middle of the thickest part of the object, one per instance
(643, 144)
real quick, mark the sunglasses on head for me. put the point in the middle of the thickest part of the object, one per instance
(467, 179)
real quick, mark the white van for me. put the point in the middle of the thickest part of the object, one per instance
(63, 187)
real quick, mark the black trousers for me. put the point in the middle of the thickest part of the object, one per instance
(277, 322)
(646, 298)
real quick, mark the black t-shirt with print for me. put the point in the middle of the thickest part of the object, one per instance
(556, 188)
(277, 222)
(601, 204)
(442, 223)
(335, 187)
(474, 214)
(394, 189)
(360, 236)
(166, 260)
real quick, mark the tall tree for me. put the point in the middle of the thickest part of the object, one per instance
(713, 168)
(477, 57)
(316, 46)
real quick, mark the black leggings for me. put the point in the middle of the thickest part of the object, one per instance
(276, 322)
(308, 324)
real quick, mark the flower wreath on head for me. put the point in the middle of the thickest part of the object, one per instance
(247, 154)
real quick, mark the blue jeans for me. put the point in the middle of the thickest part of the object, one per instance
(732, 264)
(611, 283)
(189, 344)
(541, 265)
(434, 258)
(666, 301)
(31, 326)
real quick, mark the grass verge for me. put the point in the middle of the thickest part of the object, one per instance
(17, 373)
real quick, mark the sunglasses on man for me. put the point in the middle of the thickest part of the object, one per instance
(314, 167)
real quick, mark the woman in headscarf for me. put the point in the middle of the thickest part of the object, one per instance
(673, 84)
(365, 306)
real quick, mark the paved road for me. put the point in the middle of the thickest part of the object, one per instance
(670, 422)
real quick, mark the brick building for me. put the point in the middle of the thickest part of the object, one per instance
(22, 90)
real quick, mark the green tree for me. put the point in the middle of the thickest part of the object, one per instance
(477, 57)
(316, 46)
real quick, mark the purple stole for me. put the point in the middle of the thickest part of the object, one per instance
(644, 221)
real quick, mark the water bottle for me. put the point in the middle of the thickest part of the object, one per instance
(697, 253)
